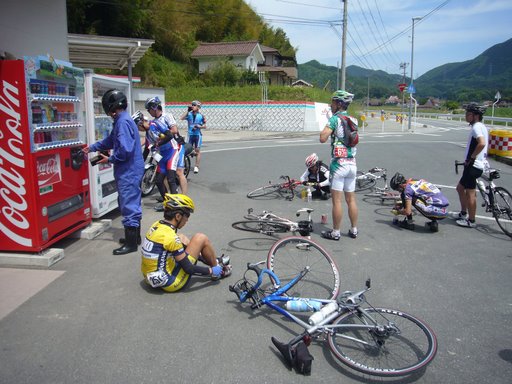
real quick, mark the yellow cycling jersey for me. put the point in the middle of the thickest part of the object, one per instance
(158, 265)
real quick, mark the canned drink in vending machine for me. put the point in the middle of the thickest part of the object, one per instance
(324, 219)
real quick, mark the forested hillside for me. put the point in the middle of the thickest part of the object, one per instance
(177, 26)
(381, 83)
(477, 79)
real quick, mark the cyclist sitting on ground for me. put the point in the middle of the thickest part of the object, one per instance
(426, 197)
(317, 173)
(169, 258)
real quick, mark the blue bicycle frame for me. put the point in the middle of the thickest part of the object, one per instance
(278, 296)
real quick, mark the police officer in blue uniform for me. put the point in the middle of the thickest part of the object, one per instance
(126, 156)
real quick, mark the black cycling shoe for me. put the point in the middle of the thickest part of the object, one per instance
(404, 224)
(433, 226)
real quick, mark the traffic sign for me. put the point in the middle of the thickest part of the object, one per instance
(402, 86)
(497, 96)
(411, 89)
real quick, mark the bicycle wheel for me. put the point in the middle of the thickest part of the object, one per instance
(287, 193)
(364, 182)
(502, 210)
(261, 226)
(186, 171)
(399, 345)
(291, 255)
(265, 190)
(384, 198)
(148, 181)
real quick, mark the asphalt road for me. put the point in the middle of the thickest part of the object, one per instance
(99, 323)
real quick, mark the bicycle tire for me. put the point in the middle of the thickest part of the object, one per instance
(410, 349)
(147, 185)
(363, 184)
(383, 198)
(502, 209)
(266, 227)
(290, 255)
(264, 191)
(186, 171)
(287, 193)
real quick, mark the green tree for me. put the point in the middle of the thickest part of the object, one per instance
(451, 105)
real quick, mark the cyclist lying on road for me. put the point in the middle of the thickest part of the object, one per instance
(424, 196)
(169, 258)
(317, 173)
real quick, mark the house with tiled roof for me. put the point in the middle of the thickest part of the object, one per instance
(281, 70)
(248, 55)
(243, 54)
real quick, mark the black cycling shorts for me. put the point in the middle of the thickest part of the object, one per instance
(469, 176)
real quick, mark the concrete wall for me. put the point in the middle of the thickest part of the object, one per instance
(274, 116)
(140, 95)
(34, 27)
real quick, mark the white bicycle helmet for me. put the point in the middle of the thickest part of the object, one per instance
(311, 160)
(343, 96)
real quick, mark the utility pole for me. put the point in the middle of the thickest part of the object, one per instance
(344, 44)
(404, 67)
(368, 97)
(411, 87)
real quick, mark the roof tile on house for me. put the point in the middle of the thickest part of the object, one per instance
(235, 48)
(289, 71)
(266, 49)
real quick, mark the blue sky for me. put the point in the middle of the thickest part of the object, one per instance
(451, 31)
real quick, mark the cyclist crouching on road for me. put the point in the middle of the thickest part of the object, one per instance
(169, 258)
(317, 173)
(426, 197)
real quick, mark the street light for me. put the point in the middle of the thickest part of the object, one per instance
(412, 68)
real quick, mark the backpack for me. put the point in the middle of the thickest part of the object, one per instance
(350, 133)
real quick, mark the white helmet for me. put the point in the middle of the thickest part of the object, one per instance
(311, 160)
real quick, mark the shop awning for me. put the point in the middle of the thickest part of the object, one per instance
(91, 51)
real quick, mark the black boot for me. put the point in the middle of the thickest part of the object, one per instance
(130, 241)
(122, 240)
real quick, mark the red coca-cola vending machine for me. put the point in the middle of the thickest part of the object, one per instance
(44, 184)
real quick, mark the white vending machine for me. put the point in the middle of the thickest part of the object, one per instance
(101, 176)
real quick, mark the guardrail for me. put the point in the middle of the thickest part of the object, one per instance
(461, 117)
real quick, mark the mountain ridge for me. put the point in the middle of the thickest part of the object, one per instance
(476, 79)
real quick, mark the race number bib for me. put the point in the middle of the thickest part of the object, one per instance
(340, 151)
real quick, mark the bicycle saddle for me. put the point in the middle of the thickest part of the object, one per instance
(307, 210)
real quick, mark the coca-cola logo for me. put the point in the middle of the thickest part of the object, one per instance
(48, 170)
(13, 192)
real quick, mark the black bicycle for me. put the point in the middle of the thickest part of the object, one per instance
(496, 200)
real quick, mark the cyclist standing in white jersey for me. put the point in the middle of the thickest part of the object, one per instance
(474, 164)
